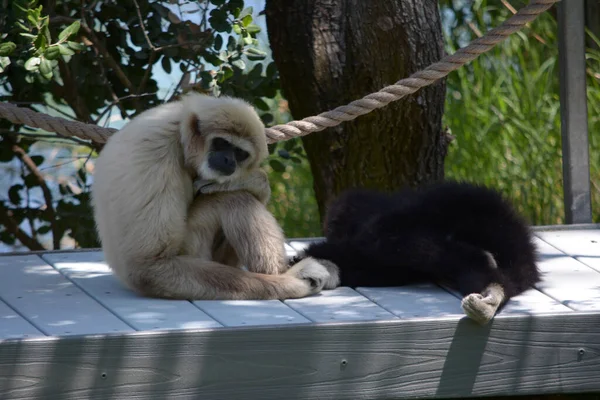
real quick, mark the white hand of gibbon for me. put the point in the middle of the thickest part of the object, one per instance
(256, 182)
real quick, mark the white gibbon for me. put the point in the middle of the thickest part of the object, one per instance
(163, 238)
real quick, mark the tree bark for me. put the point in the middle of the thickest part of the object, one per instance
(330, 52)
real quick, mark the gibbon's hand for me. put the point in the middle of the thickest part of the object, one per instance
(256, 183)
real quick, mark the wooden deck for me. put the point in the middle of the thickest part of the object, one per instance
(69, 330)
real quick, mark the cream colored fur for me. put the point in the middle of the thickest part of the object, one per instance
(161, 240)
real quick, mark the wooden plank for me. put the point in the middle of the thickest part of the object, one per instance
(51, 302)
(339, 304)
(289, 251)
(533, 302)
(567, 280)
(401, 359)
(299, 245)
(250, 313)
(13, 326)
(90, 272)
(583, 244)
(415, 301)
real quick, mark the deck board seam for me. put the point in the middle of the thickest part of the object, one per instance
(90, 295)
(566, 255)
(379, 305)
(299, 312)
(40, 329)
(222, 323)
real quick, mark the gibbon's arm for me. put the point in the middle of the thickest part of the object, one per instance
(256, 182)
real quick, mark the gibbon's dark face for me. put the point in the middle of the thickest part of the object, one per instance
(224, 157)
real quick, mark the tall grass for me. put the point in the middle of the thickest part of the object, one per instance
(504, 110)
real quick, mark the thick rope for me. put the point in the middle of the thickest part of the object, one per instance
(65, 127)
(327, 119)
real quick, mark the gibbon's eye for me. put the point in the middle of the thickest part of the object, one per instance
(219, 144)
(241, 155)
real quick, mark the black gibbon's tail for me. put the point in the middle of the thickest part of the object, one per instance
(413, 258)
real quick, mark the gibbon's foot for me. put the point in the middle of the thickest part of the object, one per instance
(482, 307)
(314, 273)
(334, 274)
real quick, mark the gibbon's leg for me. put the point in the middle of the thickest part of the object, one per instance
(223, 252)
(193, 275)
(482, 307)
(190, 278)
(248, 227)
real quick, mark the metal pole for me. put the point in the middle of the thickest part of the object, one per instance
(573, 112)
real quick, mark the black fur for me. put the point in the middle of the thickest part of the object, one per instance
(439, 233)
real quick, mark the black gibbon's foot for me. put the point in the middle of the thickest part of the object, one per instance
(330, 282)
(311, 271)
(482, 307)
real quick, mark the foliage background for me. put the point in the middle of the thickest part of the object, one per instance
(503, 108)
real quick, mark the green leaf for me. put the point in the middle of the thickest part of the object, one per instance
(277, 165)
(223, 55)
(255, 54)
(296, 160)
(166, 64)
(253, 29)
(23, 27)
(7, 48)
(28, 35)
(38, 160)
(289, 144)
(239, 63)
(40, 43)
(261, 104)
(227, 71)
(31, 18)
(69, 30)
(13, 194)
(219, 41)
(76, 46)
(217, 2)
(4, 62)
(46, 68)
(237, 29)
(248, 40)
(31, 181)
(52, 53)
(247, 20)
(266, 118)
(65, 50)
(246, 12)
(283, 154)
(42, 230)
(32, 64)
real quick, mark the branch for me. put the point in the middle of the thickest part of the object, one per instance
(71, 93)
(141, 19)
(11, 226)
(91, 35)
(25, 159)
(117, 100)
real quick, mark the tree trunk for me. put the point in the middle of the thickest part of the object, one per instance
(330, 52)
